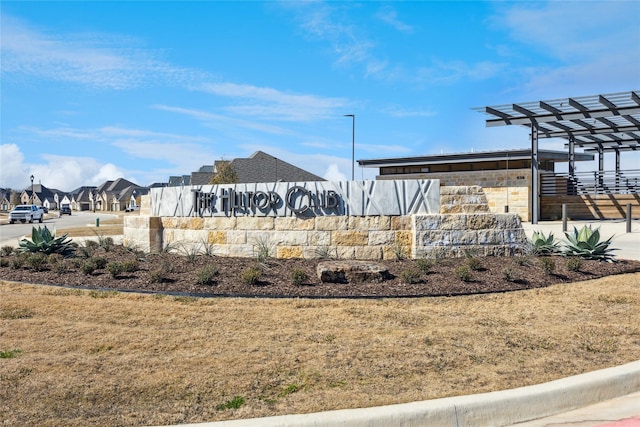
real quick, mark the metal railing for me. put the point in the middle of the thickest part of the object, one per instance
(590, 183)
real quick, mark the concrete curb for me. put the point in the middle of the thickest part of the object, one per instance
(498, 408)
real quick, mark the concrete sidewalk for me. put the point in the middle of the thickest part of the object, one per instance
(619, 412)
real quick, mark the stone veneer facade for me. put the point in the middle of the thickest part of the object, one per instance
(463, 226)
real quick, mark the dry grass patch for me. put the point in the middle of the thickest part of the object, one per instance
(84, 358)
(108, 227)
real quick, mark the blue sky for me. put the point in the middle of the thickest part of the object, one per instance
(143, 90)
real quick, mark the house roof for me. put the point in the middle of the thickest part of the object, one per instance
(176, 181)
(477, 156)
(263, 167)
(43, 192)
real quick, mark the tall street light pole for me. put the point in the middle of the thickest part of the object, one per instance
(32, 198)
(353, 144)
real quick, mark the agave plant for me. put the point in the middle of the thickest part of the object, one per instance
(544, 245)
(42, 240)
(586, 244)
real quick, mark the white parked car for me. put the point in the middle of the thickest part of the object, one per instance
(24, 213)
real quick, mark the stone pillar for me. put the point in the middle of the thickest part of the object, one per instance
(144, 232)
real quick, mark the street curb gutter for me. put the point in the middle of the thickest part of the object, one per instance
(495, 409)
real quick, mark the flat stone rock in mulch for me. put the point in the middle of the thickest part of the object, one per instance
(351, 271)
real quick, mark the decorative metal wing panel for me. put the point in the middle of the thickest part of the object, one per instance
(301, 199)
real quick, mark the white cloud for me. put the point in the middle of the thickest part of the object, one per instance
(401, 112)
(221, 122)
(390, 16)
(179, 154)
(333, 173)
(60, 172)
(591, 47)
(98, 61)
(568, 30)
(274, 104)
(13, 173)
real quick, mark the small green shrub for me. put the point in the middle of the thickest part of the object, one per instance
(115, 269)
(523, 261)
(18, 262)
(130, 266)
(88, 249)
(510, 274)
(4, 262)
(159, 275)
(37, 261)
(251, 275)
(100, 262)
(6, 250)
(548, 265)
(61, 267)
(207, 275)
(400, 252)
(106, 243)
(299, 276)
(234, 403)
(474, 263)
(88, 267)
(410, 276)
(425, 265)
(54, 259)
(574, 264)
(463, 273)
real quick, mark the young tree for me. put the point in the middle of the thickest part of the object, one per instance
(225, 174)
(14, 198)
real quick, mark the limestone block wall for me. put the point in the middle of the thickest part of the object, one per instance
(463, 199)
(478, 234)
(364, 237)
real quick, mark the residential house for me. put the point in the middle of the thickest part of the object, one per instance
(128, 198)
(259, 167)
(40, 195)
(5, 203)
(81, 198)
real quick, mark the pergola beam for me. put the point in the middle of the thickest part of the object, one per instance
(546, 118)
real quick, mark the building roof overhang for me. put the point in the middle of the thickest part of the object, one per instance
(588, 120)
(477, 156)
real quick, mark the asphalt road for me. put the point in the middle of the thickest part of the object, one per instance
(12, 232)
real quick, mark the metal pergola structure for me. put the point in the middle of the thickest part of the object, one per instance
(596, 123)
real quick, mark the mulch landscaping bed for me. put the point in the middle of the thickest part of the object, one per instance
(179, 274)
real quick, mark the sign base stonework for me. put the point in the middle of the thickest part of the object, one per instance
(426, 233)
